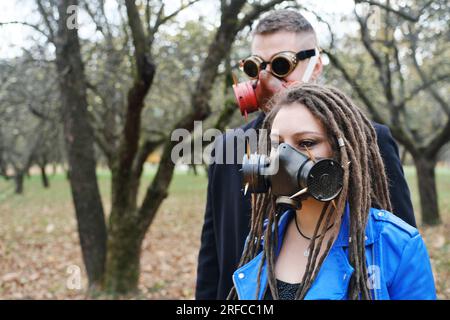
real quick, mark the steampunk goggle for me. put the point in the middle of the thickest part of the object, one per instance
(282, 63)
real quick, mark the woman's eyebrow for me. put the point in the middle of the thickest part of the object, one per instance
(297, 134)
(302, 133)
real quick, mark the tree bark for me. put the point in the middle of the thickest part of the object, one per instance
(403, 156)
(44, 177)
(124, 248)
(79, 142)
(427, 189)
(18, 179)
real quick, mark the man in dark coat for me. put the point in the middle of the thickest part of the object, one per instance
(228, 210)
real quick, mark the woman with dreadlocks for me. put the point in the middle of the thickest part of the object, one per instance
(352, 248)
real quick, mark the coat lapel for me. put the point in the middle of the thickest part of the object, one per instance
(333, 278)
(245, 279)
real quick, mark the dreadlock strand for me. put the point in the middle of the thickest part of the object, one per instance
(313, 251)
(313, 257)
(269, 253)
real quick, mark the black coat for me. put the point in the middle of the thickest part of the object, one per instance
(227, 215)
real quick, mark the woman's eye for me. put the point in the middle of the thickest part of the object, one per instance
(306, 144)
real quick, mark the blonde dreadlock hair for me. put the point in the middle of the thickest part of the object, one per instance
(364, 184)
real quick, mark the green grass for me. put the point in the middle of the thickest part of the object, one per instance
(443, 186)
(184, 184)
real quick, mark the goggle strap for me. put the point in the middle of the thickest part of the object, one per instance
(303, 55)
(310, 68)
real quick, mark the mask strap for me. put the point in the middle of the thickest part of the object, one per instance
(310, 68)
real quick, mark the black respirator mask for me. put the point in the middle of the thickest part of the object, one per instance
(290, 174)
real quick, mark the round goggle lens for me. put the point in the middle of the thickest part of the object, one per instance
(280, 66)
(251, 68)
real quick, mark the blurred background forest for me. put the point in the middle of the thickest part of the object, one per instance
(91, 205)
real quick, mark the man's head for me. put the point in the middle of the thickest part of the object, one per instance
(286, 30)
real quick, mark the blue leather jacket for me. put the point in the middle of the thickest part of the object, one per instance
(397, 261)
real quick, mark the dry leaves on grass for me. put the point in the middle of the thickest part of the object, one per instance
(36, 257)
(438, 246)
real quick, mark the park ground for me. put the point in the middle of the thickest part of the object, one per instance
(39, 243)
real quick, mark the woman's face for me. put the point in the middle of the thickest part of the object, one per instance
(295, 125)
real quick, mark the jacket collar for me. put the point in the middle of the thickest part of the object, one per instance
(343, 237)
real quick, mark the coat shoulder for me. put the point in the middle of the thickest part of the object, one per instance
(381, 129)
(389, 225)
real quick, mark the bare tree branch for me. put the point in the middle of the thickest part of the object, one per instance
(148, 15)
(361, 93)
(256, 11)
(433, 92)
(174, 14)
(402, 13)
(35, 27)
(46, 16)
(365, 37)
(161, 18)
(146, 148)
(99, 24)
(439, 140)
(425, 85)
(38, 113)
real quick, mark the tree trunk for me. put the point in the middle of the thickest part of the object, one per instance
(79, 141)
(18, 179)
(427, 189)
(403, 156)
(67, 173)
(194, 169)
(124, 248)
(44, 177)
